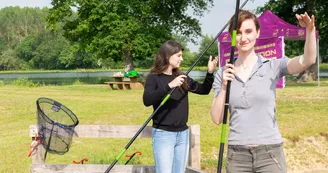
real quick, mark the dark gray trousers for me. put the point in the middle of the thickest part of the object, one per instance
(256, 159)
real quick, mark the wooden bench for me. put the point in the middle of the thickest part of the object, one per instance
(119, 85)
(104, 131)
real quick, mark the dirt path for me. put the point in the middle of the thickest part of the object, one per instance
(307, 155)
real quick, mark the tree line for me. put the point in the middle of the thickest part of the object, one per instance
(26, 43)
(115, 34)
(97, 34)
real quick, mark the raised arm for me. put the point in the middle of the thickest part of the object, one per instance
(300, 63)
(206, 86)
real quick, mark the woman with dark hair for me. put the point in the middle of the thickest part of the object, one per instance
(254, 142)
(170, 130)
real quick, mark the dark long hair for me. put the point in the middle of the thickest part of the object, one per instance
(162, 60)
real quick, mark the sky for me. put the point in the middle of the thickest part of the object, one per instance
(211, 23)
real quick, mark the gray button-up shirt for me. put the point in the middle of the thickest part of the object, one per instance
(252, 103)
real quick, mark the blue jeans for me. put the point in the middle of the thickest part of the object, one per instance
(170, 150)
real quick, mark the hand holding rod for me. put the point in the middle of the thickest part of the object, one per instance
(226, 105)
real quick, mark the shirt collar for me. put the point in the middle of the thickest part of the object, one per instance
(261, 60)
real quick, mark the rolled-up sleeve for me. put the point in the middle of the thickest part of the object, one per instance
(283, 67)
(280, 67)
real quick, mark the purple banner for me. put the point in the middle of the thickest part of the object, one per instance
(273, 26)
(268, 47)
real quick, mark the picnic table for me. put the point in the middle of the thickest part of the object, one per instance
(125, 83)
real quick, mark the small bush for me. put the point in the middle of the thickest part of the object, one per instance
(78, 82)
(25, 82)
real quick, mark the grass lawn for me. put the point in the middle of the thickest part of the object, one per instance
(302, 111)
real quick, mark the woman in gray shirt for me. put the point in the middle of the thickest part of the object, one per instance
(255, 143)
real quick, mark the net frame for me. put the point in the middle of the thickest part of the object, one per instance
(56, 124)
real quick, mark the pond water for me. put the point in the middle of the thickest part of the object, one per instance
(68, 78)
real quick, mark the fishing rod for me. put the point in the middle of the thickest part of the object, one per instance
(226, 105)
(165, 99)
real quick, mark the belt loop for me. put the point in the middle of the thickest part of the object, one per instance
(267, 147)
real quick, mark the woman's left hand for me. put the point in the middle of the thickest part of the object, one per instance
(305, 20)
(212, 64)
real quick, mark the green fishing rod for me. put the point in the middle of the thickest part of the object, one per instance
(165, 99)
(226, 105)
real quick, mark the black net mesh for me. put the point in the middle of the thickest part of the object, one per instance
(56, 125)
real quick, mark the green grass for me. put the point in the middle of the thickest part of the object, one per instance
(324, 67)
(301, 112)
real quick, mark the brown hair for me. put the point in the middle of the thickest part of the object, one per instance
(162, 59)
(242, 16)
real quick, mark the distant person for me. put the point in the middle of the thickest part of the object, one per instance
(170, 130)
(254, 142)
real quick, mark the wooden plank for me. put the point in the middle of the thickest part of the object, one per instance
(117, 82)
(105, 131)
(86, 168)
(193, 170)
(97, 168)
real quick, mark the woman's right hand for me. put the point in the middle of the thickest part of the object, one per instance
(228, 75)
(178, 81)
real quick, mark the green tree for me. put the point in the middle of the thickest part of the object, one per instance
(212, 51)
(25, 50)
(188, 56)
(19, 31)
(2, 45)
(17, 23)
(287, 10)
(8, 61)
(125, 30)
(74, 58)
(49, 50)
(43, 50)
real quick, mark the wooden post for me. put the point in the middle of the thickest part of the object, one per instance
(39, 151)
(194, 146)
(134, 82)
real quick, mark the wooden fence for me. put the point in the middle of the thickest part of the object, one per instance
(105, 131)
